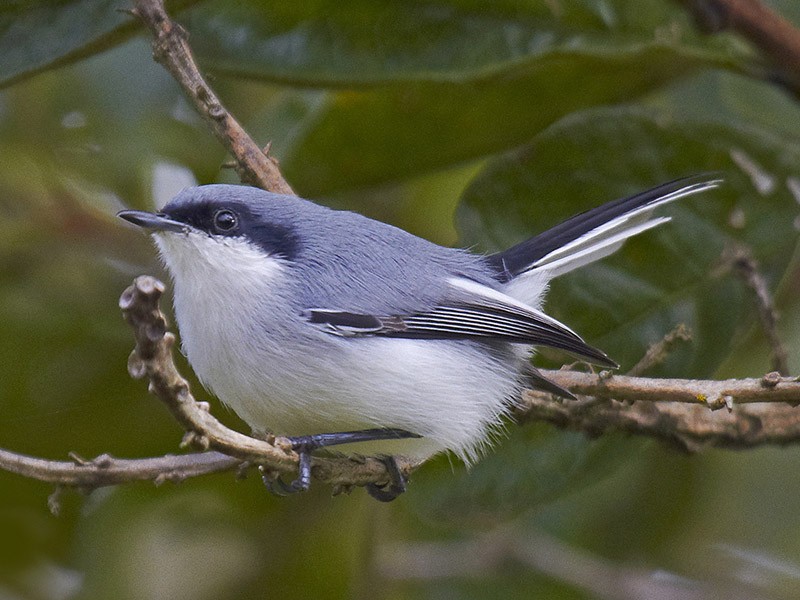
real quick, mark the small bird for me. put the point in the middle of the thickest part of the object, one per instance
(332, 328)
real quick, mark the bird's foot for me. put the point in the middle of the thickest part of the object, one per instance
(305, 445)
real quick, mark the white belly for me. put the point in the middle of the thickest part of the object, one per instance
(452, 400)
(286, 376)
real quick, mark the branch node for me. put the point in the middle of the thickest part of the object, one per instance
(215, 111)
(78, 459)
(187, 440)
(195, 439)
(54, 501)
(156, 330)
(771, 380)
(728, 402)
(360, 459)
(136, 366)
(169, 340)
(103, 461)
(127, 299)
(149, 286)
(715, 402)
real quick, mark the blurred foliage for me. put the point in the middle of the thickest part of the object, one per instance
(511, 116)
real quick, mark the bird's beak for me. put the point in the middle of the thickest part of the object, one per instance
(152, 221)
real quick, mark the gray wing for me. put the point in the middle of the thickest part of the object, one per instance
(469, 310)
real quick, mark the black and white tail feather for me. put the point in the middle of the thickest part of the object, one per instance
(510, 313)
(596, 233)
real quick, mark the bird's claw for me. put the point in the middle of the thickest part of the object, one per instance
(396, 485)
(305, 445)
(277, 486)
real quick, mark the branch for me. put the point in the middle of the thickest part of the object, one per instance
(171, 50)
(713, 394)
(152, 358)
(755, 21)
(107, 470)
(747, 267)
(674, 410)
(760, 411)
(658, 352)
(230, 450)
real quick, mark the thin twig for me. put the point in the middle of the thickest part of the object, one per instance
(108, 470)
(171, 49)
(688, 427)
(658, 352)
(713, 394)
(747, 268)
(757, 22)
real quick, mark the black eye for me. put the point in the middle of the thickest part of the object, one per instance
(225, 220)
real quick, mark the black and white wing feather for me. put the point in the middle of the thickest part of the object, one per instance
(469, 310)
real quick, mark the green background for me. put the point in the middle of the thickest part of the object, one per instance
(465, 122)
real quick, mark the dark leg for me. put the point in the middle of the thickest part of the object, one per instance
(396, 485)
(305, 445)
(301, 484)
(539, 382)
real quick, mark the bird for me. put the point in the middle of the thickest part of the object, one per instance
(335, 329)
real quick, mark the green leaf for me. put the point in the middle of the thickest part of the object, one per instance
(444, 82)
(40, 35)
(363, 42)
(533, 466)
(428, 126)
(673, 275)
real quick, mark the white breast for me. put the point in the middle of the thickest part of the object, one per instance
(299, 379)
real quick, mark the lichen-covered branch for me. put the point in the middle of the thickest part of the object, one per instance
(171, 49)
(690, 427)
(713, 394)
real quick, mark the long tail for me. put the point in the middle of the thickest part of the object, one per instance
(596, 233)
